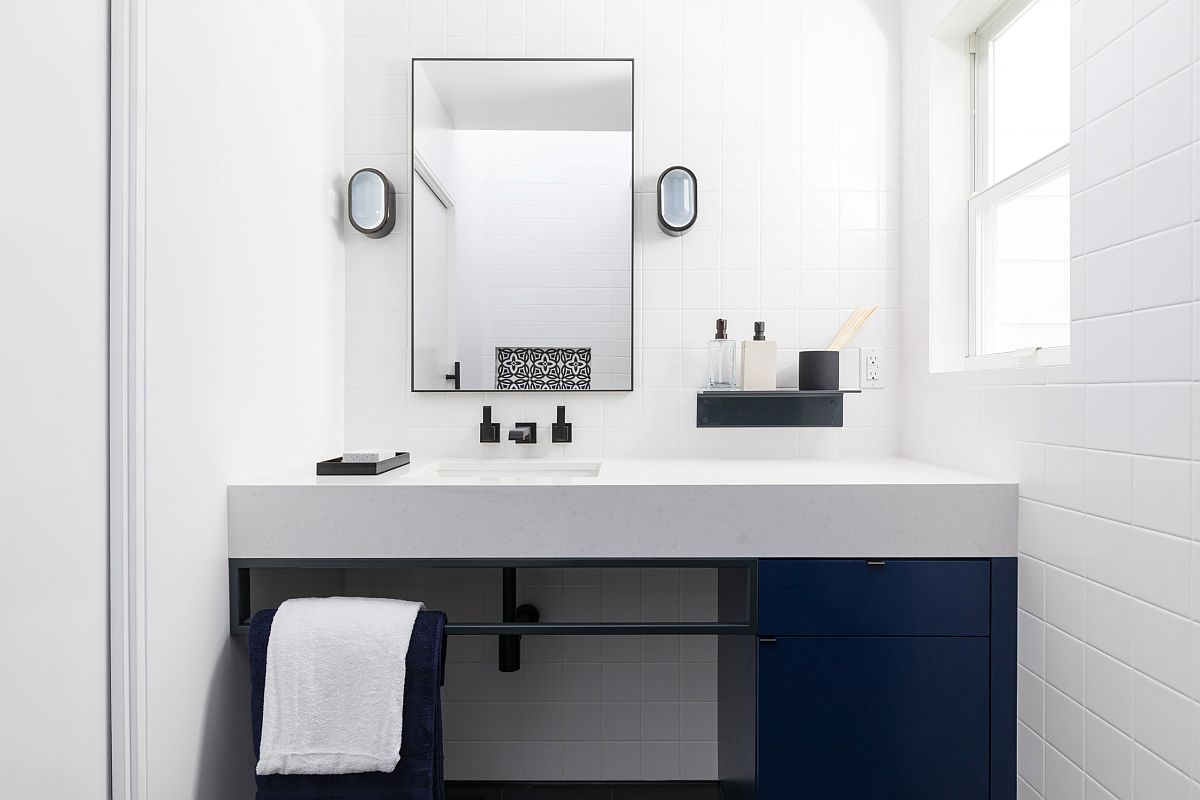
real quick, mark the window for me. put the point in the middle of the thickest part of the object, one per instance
(1019, 209)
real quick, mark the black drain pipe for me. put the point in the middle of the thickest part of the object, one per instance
(510, 644)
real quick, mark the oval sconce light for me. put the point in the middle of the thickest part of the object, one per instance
(677, 197)
(372, 203)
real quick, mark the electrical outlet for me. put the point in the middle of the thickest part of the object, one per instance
(872, 368)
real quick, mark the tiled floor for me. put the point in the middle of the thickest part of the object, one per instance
(583, 791)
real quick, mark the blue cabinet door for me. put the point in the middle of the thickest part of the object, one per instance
(873, 718)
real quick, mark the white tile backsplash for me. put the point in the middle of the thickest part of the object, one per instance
(789, 203)
(1108, 755)
(1162, 193)
(1163, 118)
(1109, 690)
(575, 698)
(1136, 367)
(1108, 214)
(1110, 146)
(1109, 77)
(1109, 408)
(1162, 419)
(1162, 344)
(1164, 274)
(807, 125)
(788, 113)
(1162, 44)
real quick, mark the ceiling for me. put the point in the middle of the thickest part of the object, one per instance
(556, 95)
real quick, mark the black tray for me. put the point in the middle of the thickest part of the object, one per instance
(335, 466)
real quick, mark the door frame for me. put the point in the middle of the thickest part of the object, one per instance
(126, 400)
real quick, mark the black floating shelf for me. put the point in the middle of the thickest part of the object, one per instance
(779, 408)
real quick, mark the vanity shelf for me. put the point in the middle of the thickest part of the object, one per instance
(736, 615)
(777, 408)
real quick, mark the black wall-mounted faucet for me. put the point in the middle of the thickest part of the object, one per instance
(489, 432)
(524, 433)
(560, 432)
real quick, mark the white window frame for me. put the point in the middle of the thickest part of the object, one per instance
(986, 194)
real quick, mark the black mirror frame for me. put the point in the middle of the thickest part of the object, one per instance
(412, 283)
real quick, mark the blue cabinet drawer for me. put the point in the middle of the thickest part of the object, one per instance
(873, 598)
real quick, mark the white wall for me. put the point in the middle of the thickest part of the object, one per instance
(244, 335)
(53, 329)
(787, 111)
(1104, 449)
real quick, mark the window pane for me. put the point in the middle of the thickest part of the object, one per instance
(1025, 291)
(1030, 71)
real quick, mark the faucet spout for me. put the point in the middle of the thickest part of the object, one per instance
(524, 433)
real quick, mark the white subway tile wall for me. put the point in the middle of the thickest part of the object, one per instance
(787, 111)
(1104, 450)
(580, 707)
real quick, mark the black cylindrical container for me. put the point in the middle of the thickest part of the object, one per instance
(819, 369)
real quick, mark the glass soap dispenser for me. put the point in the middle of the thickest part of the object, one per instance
(721, 351)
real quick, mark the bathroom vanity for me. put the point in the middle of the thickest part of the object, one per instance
(866, 609)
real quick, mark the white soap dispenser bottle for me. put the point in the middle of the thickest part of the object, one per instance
(759, 372)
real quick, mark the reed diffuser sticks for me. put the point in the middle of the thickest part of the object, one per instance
(850, 327)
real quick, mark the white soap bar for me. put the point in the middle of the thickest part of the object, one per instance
(367, 456)
(759, 370)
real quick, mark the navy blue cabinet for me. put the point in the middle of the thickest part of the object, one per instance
(873, 680)
(902, 718)
(837, 597)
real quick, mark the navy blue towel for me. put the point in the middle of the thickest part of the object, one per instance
(419, 775)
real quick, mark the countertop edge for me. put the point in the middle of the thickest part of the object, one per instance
(971, 520)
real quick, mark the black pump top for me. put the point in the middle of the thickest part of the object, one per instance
(760, 331)
(721, 332)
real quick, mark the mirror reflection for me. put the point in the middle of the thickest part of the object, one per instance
(522, 225)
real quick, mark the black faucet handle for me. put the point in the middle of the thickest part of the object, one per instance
(560, 432)
(489, 432)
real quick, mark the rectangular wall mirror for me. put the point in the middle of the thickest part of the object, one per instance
(522, 224)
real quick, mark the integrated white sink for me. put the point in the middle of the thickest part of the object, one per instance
(512, 471)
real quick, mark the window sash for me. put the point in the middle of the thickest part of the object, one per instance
(987, 191)
(981, 88)
(979, 245)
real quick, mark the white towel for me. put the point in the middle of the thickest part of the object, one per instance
(334, 699)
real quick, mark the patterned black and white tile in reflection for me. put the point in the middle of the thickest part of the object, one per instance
(543, 368)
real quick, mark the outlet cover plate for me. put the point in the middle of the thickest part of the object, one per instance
(872, 368)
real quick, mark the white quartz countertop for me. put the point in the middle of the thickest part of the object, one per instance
(634, 508)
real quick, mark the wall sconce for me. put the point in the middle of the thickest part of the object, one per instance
(372, 203)
(677, 197)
